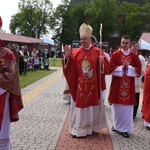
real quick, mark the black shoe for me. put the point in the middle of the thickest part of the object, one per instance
(125, 134)
(113, 129)
(74, 136)
(134, 117)
(148, 128)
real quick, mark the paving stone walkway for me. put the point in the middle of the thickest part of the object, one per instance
(44, 122)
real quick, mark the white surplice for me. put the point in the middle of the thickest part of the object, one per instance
(122, 118)
(5, 139)
(85, 121)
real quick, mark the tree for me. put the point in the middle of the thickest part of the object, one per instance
(68, 17)
(32, 19)
(146, 16)
(57, 22)
(130, 20)
(66, 20)
(105, 12)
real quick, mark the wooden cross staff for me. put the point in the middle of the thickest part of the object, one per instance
(100, 78)
(100, 36)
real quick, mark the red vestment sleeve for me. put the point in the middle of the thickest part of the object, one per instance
(69, 72)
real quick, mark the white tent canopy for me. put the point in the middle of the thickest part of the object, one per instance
(144, 45)
(47, 40)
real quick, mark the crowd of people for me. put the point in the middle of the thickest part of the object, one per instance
(30, 61)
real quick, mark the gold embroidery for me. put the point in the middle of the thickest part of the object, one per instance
(85, 98)
(79, 87)
(86, 81)
(85, 65)
(124, 89)
(2, 61)
(92, 87)
(84, 126)
(86, 68)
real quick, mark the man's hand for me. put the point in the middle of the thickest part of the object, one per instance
(67, 51)
(125, 65)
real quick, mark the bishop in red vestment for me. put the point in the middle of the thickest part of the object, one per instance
(82, 69)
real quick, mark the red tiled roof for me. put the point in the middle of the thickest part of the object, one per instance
(34, 40)
(18, 38)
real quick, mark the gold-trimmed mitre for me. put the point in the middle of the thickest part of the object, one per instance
(85, 30)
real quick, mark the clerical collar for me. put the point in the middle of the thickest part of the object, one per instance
(125, 52)
(88, 47)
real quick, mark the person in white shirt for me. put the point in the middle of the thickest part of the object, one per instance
(138, 80)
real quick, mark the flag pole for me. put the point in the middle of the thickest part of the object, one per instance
(100, 79)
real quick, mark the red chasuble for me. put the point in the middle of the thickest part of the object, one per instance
(122, 89)
(9, 81)
(83, 76)
(146, 96)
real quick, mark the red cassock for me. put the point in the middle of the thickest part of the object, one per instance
(122, 89)
(83, 76)
(146, 96)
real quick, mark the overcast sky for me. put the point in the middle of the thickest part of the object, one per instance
(10, 7)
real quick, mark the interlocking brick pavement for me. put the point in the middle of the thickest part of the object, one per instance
(93, 142)
(44, 122)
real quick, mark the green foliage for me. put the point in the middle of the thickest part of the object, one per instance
(37, 17)
(146, 16)
(67, 19)
(61, 24)
(32, 19)
(105, 12)
(130, 20)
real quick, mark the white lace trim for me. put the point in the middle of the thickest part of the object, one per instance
(5, 144)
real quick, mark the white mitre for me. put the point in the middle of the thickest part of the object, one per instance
(85, 30)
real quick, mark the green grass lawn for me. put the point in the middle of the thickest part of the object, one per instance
(56, 62)
(33, 76)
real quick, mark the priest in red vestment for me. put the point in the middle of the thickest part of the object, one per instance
(124, 66)
(85, 68)
(10, 95)
(146, 99)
